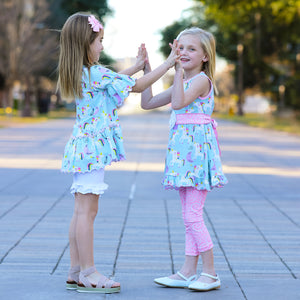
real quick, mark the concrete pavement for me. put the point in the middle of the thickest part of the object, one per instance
(254, 221)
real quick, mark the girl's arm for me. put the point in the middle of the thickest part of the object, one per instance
(139, 64)
(149, 78)
(200, 87)
(148, 101)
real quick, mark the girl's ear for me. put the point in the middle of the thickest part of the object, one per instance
(205, 58)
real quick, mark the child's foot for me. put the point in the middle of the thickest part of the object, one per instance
(91, 281)
(96, 277)
(177, 277)
(73, 278)
(176, 280)
(206, 282)
(206, 279)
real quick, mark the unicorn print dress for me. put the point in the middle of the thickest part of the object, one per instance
(96, 140)
(193, 156)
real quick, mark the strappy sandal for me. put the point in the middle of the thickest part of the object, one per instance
(73, 278)
(205, 287)
(84, 285)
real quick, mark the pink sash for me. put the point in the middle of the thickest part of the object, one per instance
(194, 118)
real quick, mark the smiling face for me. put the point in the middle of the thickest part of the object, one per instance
(96, 47)
(192, 54)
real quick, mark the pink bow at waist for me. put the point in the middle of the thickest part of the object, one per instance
(194, 118)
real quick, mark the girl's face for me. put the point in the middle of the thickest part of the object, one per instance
(192, 55)
(96, 47)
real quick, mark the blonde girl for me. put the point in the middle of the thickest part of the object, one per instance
(193, 164)
(96, 140)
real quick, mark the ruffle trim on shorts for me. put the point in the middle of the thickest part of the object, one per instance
(89, 189)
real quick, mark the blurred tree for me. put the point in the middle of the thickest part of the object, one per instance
(99, 7)
(62, 9)
(268, 30)
(265, 31)
(29, 42)
(24, 44)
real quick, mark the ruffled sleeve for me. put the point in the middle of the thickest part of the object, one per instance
(117, 85)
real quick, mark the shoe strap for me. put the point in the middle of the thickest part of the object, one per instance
(210, 276)
(185, 278)
(75, 269)
(74, 273)
(88, 271)
(106, 284)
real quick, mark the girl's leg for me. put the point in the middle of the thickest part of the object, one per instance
(87, 208)
(72, 238)
(75, 263)
(189, 267)
(198, 238)
(87, 205)
(207, 266)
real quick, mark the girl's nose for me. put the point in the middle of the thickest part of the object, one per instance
(182, 51)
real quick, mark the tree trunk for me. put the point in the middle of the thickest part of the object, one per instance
(26, 112)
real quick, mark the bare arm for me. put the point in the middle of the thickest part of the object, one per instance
(139, 64)
(148, 101)
(199, 87)
(149, 78)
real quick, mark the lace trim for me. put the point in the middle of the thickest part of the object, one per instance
(89, 189)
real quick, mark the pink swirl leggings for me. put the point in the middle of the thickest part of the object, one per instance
(197, 238)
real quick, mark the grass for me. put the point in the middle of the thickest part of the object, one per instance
(14, 118)
(286, 124)
(270, 121)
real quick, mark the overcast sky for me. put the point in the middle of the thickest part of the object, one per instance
(139, 21)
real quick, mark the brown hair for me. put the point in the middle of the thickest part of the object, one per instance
(75, 40)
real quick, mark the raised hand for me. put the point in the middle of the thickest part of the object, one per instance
(174, 56)
(141, 57)
(147, 67)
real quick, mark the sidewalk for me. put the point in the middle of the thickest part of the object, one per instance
(254, 221)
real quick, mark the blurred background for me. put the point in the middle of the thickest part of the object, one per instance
(258, 47)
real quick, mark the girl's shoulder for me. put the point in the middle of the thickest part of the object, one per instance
(202, 83)
(98, 69)
(200, 79)
(98, 73)
(197, 76)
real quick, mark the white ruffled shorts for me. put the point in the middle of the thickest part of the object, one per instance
(90, 182)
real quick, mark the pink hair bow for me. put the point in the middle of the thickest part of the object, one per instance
(95, 24)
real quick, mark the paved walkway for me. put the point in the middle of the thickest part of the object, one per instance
(254, 221)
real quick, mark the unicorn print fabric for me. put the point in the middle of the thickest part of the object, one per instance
(193, 156)
(97, 140)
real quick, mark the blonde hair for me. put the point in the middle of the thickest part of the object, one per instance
(75, 40)
(208, 45)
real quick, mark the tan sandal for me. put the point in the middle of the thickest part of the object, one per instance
(73, 278)
(84, 285)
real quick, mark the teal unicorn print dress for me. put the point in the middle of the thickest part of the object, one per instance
(96, 140)
(193, 155)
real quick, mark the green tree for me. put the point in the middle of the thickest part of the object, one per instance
(62, 9)
(267, 30)
(25, 45)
